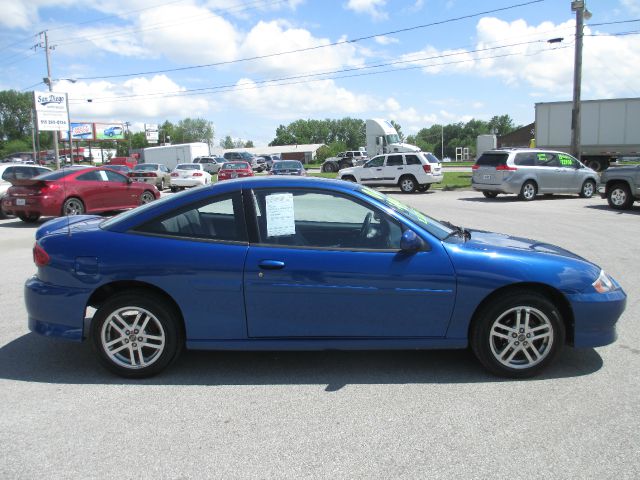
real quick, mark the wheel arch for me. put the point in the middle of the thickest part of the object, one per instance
(99, 296)
(615, 181)
(553, 294)
(76, 197)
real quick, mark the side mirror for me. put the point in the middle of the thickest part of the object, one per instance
(129, 180)
(411, 242)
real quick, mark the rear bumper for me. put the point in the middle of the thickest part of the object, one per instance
(503, 187)
(186, 182)
(36, 205)
(595, 317)
(55, 311)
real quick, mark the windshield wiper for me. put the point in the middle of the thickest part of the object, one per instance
(457, 231)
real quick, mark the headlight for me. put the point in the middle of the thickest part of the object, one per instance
(603, 284)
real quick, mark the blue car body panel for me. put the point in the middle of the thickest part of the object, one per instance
(235, 295)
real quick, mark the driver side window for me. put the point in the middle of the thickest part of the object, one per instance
(306, 218)
(375, 162)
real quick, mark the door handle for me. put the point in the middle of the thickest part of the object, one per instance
(400, 168)
(271, 264)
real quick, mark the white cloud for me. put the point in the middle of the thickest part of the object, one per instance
(300, 100)
(369, 7)
(632, 5)
(536, 63)
(131, 100)
(385, 40)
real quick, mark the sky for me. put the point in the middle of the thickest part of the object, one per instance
(249, 66)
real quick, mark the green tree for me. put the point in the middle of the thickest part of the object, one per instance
(350, 131)
(15, 115)
(227, 142)
(194, 130)
(248, 144)
(166, 132)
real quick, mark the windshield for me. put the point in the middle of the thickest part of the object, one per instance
(286, 164)
(429, 224)
(188, 166)
(146, 166)
(393, 138)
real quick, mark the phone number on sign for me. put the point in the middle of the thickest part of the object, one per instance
(53, 122)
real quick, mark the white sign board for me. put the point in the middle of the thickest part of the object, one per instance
(51, 111)
(280, 215)
(151, 132)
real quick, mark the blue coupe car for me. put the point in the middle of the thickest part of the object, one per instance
(287, 263)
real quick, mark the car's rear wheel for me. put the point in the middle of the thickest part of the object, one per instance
(407, 184)
(161, 186)
(490, 194)
(349, 178)
(147, 197)
(136, 334)
(424, 188)
(619, 196)
(329, 167)
(73, 206)
(588, 189)
(517, 335)
(31, 218)
(528, 191)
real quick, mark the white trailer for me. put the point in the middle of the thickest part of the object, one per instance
(383, 138)
(609, 129)
(171, 155)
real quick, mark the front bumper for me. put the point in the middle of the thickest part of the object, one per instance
(595, 317)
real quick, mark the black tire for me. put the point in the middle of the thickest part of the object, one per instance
(594, 165)
(588, 189)
(407, 184)
(31, 218)
(517, 350)
(619, 196)
(159, 343)
(73, 206)
(147, 197)
(424, 188)
(528, 191)
(161, 186)
(174, 189)
(329, 168)
(490, 194)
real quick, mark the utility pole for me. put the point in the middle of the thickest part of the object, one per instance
(56, 151)
(580, 8)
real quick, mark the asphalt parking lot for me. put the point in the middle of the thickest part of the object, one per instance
(404, 414)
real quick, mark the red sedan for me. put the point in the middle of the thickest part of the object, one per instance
(234, 170)
(75, 191)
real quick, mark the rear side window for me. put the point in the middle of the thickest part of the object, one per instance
(412, 160)
(526, 159)
(394, 160)
(492, 159)
(431, 158)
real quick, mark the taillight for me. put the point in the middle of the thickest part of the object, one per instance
(48, 188)
(475, 167)
(197, 174)
(174, 174)
(426, 168)
(151, 174)
(506, 168)
(40, 257)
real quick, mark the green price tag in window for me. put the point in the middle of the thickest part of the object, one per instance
(565, 160)
(542, 156)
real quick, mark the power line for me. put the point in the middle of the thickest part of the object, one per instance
(327, 76)
(317, 47)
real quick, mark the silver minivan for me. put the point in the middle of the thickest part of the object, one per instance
(528, 172)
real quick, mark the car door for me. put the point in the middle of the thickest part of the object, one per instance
(91, 189)
(329, 265)
(549, 175)
(371, 172)
(118, 192)
(393, 168)
(571, 178)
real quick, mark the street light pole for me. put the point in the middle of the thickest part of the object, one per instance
(56, 151)
(580, 8)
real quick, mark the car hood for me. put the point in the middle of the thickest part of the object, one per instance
(627, 169)
(491, 241)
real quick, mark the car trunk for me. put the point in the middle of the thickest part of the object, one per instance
(487, 169)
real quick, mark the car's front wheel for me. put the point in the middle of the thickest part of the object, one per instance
(518, 334)
(136, 334)
(619, 196)
(147, 197)
(588, 189)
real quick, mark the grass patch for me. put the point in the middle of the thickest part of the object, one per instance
(451, 180)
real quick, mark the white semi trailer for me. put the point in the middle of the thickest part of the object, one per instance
(383, 138)
(609, 129)
(171, 155)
